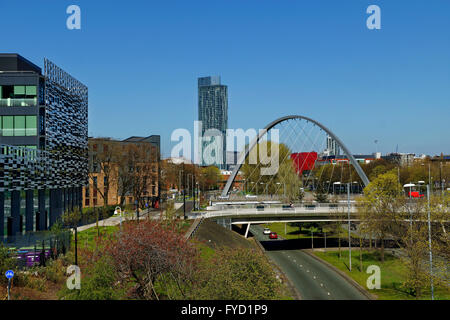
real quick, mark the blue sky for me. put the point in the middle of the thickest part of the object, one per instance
(141, 60)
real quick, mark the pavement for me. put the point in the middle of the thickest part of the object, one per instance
(312, 278)
(115, 220)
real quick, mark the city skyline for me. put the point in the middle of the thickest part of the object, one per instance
(280, 59)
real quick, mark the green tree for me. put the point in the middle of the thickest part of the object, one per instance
(382, 206)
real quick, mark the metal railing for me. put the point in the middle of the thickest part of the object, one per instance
(305, 209)
(18, 102)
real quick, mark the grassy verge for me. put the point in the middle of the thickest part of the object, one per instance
(393, 274)
(86, 238)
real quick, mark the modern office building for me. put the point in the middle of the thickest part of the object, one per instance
(213, 113)
(43, 144)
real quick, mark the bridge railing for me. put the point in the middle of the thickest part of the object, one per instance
(305, 209)
(256, 205)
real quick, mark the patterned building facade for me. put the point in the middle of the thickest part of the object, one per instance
(43, 144)
(213, 114)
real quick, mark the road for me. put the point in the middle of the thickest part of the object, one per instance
(313, 279)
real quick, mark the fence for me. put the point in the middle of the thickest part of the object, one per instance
(35, 248)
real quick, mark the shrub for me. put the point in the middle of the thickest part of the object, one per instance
(237, 274)
(99, 284)
(6, 263)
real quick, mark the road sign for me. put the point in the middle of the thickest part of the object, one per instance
(9, 274)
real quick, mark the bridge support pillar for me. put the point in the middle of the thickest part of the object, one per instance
(246, 231)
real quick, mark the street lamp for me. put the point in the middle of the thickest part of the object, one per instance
(284, 188)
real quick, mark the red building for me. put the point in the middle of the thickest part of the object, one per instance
(304, 161)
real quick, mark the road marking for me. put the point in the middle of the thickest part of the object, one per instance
(321, 284)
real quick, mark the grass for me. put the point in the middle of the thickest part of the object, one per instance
(87, 237)
(393, 274)
(292, 232)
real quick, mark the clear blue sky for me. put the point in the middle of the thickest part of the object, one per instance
(141, 60)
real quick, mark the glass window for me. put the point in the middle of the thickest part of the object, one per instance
(30, 91)
(31, 126)
(19, 126)
(1, 126)
(7, 92)
(19, 90)
(8, 126)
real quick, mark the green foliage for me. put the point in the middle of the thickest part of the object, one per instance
(6, 263)
(237, 274)
(100, 283)
(285, 181)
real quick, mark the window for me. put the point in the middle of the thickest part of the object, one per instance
(19, 91)
(18, 96)
(18, 126)
(8, 126)
(31, 126)
(86, 202)
(30, 91)
(86, 192)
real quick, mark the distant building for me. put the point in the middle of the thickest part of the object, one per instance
(213, 113)
(98, 179)
(332, 149)
(232, 159)
(304, 161)
(402, 159)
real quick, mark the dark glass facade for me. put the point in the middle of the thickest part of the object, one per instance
(213, 110)
(43, 144)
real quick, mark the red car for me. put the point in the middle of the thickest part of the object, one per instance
(273, 235)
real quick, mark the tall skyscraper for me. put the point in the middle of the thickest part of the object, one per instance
(213, 113)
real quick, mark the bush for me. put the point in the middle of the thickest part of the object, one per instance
(6, 263)
(99, 284)
(237, 274)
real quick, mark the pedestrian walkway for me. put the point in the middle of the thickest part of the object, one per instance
(115, 220)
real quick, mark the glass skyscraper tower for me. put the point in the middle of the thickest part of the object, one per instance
(213, 111)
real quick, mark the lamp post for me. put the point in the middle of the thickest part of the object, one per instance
(184, 194)
(349, 234)
(284, 188)
(429, 243)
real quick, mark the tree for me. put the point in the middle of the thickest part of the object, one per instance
(382, 206)
(152, 255)
(210, 177)
(103, 162)
(137, 169)
(284, 180)
(72, 219)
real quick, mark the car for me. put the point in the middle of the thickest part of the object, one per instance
(249, 196)
(273, 235)
(266, 231)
